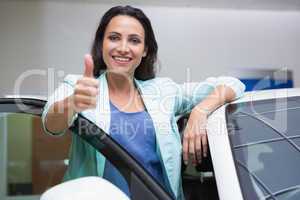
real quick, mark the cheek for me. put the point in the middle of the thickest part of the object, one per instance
(139, 52)
(105, 53)
(108, 46)
(105, 47)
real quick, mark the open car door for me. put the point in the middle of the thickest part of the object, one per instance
(32, 161)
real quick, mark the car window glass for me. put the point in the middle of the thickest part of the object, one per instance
(297, 141)
(120, 168)
(33, 160)
(265, 138)
(256, 107)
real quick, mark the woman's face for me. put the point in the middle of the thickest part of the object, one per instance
(123, 45)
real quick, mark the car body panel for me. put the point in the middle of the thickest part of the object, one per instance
(222, 159)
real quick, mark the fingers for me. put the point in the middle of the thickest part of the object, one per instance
(85, 95)
(88, 66)
(192, 155)
(189, 149)
(185, 149)
(81, 106)
(86, 89)
(195, 146)
(198, 148)
(201, 146)
(86, 81)
(84, 101)
(204, 145)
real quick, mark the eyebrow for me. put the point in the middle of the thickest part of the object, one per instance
(130, 35)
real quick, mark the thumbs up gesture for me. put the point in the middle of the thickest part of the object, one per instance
(86, 88)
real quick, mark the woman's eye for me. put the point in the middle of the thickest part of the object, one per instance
(113, 37)
(135, 40)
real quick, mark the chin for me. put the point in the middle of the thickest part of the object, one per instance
(119, 70)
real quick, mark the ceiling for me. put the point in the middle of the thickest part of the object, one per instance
(227, 4)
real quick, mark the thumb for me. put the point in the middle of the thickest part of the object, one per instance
(88, 66)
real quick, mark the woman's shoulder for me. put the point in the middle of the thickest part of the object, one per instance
(157, 80)
(163, 85)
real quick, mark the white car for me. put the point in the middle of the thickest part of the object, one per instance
(254, 152)
(255, 146)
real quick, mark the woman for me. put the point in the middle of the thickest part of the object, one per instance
(119, 92)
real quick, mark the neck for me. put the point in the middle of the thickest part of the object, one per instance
(120, 84)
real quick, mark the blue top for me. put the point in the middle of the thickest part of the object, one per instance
(135, 132)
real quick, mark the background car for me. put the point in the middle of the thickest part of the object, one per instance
(254, 151)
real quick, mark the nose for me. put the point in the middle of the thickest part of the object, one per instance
(123, 48)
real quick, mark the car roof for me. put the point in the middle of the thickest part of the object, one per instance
(37, 97)
(268, 94)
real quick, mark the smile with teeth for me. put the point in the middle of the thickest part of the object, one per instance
(121, 59)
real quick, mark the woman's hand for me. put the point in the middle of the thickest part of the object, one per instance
(195, 138)
(86, 88)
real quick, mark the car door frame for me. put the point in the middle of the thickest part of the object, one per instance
(15, 105)
(139, 177)
(146, 187)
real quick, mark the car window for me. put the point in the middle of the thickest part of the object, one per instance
(32, 160)
(140, 183)
(265, 141)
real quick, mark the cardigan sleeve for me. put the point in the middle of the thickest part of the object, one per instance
(190, 94)
(65, 89)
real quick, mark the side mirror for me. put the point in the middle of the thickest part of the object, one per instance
(89, 188)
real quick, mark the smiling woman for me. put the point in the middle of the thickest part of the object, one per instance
(126, 30)
(119, 89)
(123, 44)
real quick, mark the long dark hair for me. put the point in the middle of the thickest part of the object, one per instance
(146, 69)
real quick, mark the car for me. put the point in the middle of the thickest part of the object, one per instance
(254, 145)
